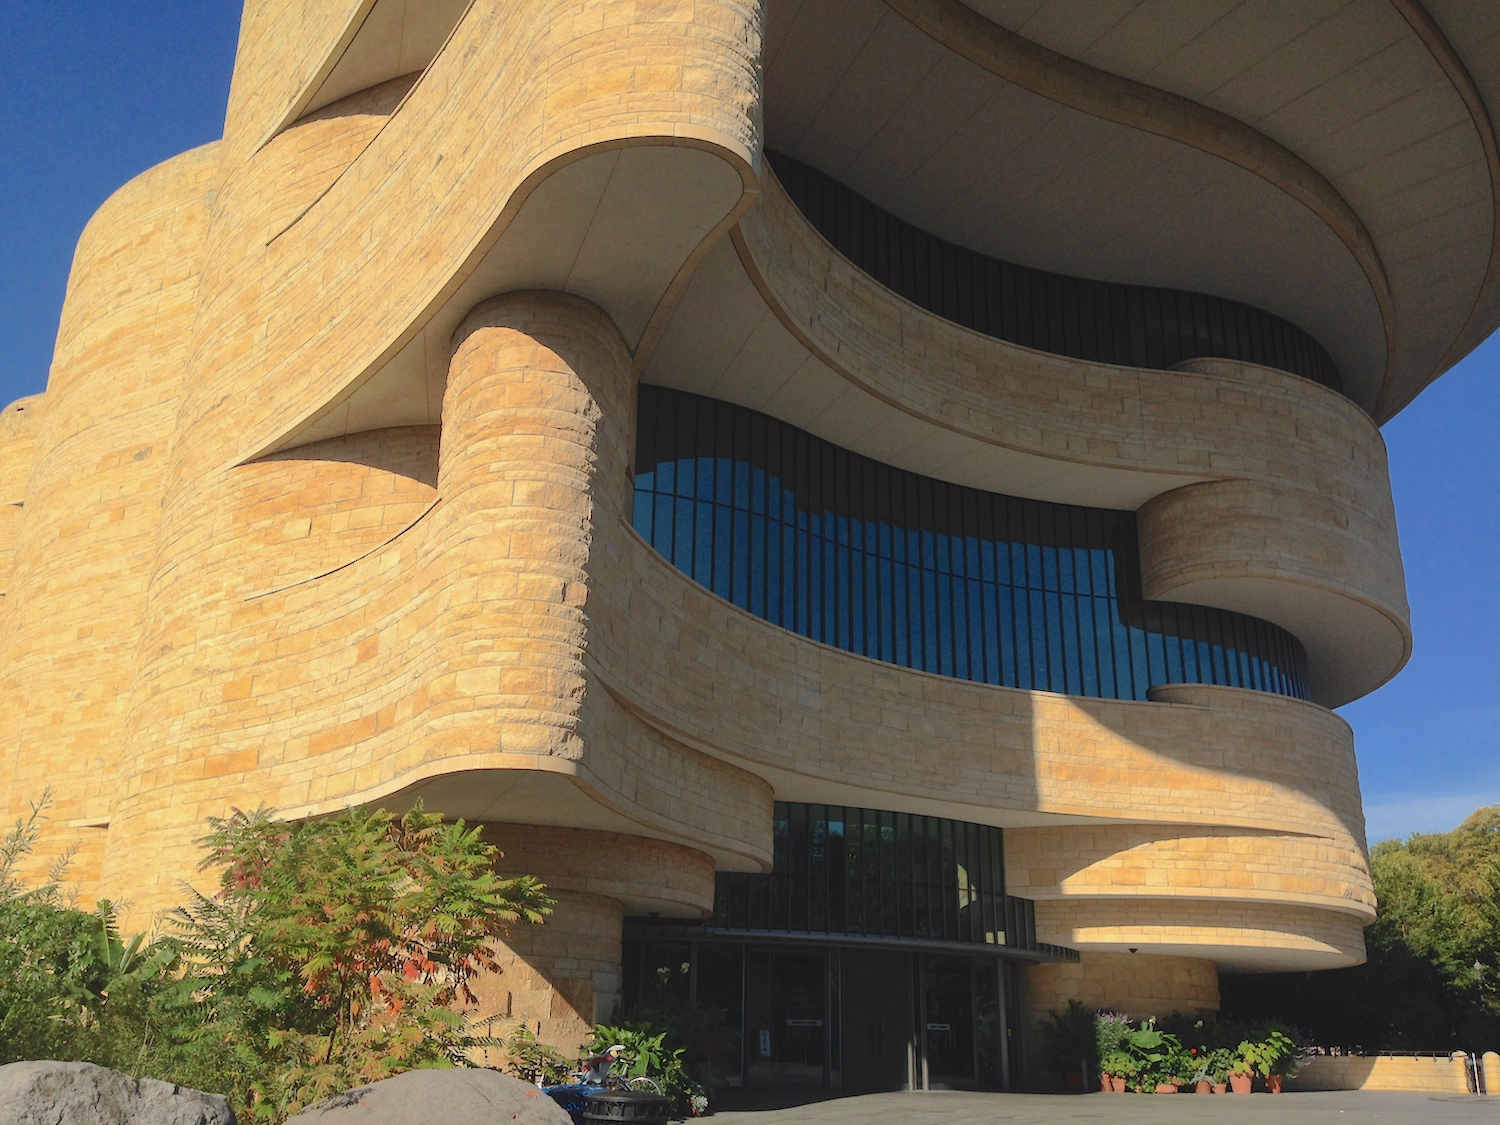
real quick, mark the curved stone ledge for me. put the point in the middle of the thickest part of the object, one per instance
(824, 725)
(1152, 861)
(1291, 556)
(517, 102)
(647, 876)
(1239, 936)
(446, 664)
(1124, 436)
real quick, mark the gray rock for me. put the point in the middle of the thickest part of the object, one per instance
(451, 1097)
(79, 1093)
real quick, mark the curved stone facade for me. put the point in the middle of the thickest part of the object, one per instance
(328, 499)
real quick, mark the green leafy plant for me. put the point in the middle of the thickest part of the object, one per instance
(1160, 1055)
(1120, 1063)
(1217, 1065)
(1273, 1053)
(1111, 1033)
(535, 1062)
(340, 951)
(647, 1054)
(1068, 1043)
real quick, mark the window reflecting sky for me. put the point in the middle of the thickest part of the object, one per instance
(918, 572)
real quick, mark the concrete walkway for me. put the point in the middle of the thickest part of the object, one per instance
(953, 1108)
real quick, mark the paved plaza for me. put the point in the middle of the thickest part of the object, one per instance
(952, 1108)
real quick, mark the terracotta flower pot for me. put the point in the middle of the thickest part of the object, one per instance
(1166, 1088)
(1221, 1087)
(1120, 1084)
(1273, 1083)
(1239, 1083)
(1106, 1081)
(1203, 1086)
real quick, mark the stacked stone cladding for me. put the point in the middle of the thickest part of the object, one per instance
(1299, 470)
(191, 625)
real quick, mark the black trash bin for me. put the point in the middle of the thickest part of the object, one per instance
(628, 1105)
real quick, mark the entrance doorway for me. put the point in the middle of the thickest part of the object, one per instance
(787, 1018)
(860, 1017)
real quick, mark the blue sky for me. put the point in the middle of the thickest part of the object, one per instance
(95, 91)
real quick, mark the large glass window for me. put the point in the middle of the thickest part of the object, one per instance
(843, 870)
(913, 571)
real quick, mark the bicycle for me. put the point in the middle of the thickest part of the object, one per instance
(596, 1074)
(599, 1070)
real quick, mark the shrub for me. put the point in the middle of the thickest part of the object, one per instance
(340, 951)
(336, 952)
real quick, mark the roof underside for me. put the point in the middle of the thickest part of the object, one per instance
(1331, 162)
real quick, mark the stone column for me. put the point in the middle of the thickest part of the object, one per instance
(562, 977)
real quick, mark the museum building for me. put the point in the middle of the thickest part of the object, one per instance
(873, 501)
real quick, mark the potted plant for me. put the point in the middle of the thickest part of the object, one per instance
(1242, 1068)
(1198, 1061)
(1160, 1056)
(1219, 1063)
(1119, 1067)
(1111, 1038)
(1275, 1057)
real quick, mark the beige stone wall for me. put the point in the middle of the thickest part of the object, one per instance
(454, 646)
(559, 978)
(1303, 451)
(1425, 1074)
(462, 612)
(85, 540)
(1137, 984)
(18, 425)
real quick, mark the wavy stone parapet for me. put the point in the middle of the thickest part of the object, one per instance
(92, 489)
(451, 654)
(1236, 935)
(519, 92)
(1301, 449)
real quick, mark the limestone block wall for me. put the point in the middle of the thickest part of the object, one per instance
(18, 425)
(85, 539)
(459, 609)
(1127, 982)
(1428, 1074)
(454, 646)
(519, 91)
(1305, 453)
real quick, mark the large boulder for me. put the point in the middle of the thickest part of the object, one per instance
(452, 1097)
(80, 1093)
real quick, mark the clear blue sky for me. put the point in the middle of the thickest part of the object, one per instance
(95, 91)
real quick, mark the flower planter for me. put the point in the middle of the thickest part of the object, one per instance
(1273, 1083)
(1166, 1088)
(1221, 1087)
(1239, 1083)
(1203, 1086)
(1120, 1085)
(1106, 1082)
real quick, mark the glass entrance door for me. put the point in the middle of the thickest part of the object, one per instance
(786, 1018)
(948, 1022)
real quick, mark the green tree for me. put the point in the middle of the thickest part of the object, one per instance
(1434, 952)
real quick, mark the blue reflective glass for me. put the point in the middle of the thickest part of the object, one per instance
(924, 574)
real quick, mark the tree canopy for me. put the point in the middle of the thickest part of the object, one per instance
(1434, 953)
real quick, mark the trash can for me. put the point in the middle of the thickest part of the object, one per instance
(572, 1097)
(628, 1105)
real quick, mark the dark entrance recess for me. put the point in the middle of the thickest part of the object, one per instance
(879, 953)
(856, 1018)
